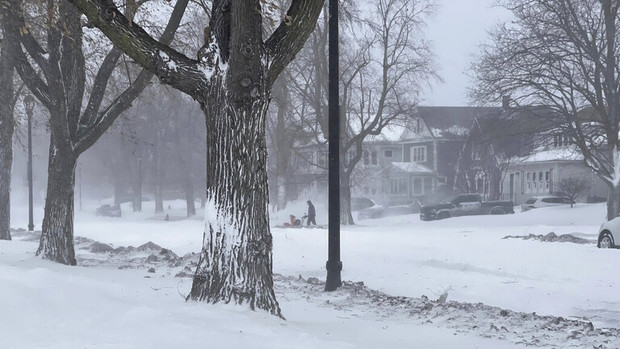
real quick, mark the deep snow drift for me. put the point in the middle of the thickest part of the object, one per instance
(397, 268)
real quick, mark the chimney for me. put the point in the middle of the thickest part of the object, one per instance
(505, 102)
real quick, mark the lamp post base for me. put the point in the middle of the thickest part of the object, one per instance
(333, 275)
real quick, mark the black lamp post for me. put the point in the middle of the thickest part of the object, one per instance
(29, 105)
(334, 265)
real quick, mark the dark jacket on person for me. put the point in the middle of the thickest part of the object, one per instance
(311, 211)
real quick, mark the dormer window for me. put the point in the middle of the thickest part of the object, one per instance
(418, 126)
(561, 140)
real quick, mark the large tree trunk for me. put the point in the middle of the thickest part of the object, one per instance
(6, 137)
(613, 202)
(236, 258)
(346, 217)
(57, 237)
(6, 160)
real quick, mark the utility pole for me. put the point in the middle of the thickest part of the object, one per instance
(334, 265)
(29, 105)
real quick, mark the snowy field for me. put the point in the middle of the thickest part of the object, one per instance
(396, 269)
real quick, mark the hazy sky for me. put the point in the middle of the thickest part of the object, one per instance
(457, 30)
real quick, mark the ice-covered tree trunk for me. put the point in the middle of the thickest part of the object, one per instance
(236, 259)
(231, 80)
(57, 237)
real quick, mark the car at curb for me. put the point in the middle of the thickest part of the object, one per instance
(545, 201)
(108, 211)
(465, 205)
(609, 233)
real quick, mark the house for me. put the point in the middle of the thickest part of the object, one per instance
(494, 140)
(422, 161)
(540, 172)
(501, 152)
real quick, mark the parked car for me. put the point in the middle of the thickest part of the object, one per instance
(109, 211)
(609, 233)
(361, 203)
(545, 201)
(464, 205)
(385, 211)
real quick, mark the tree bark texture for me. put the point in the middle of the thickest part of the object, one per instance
(6, 141)
(60, 87)
(236, 259)
(57, 237)
(346, 216)
(231, 80)
(7, 104)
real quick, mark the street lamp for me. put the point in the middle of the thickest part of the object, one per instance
(29, 105)
(334, 265)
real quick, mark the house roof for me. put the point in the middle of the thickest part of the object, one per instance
(559, 154)
(449, 122)
(412, 167)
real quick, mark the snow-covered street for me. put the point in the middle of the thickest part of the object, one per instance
(395, 268)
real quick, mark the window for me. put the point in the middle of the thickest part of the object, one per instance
(365, 157)
(418, 154)
(387, 154)
(561, 140)
(418, 126)
(373, 157)
(442, 180)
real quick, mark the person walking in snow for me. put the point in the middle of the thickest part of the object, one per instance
(311, 213)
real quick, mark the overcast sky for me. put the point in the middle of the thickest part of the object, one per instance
(457, 30)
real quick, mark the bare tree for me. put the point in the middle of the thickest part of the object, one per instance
(562, 54)
(61, 88)
(571, 188)
(384, 62)
(231, 80)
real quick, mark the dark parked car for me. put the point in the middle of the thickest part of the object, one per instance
(109, 211)
(465, 205)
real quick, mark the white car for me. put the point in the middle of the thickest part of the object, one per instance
(609, 233)
(545, 201)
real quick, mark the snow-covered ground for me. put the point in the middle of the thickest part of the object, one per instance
(396, 268)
